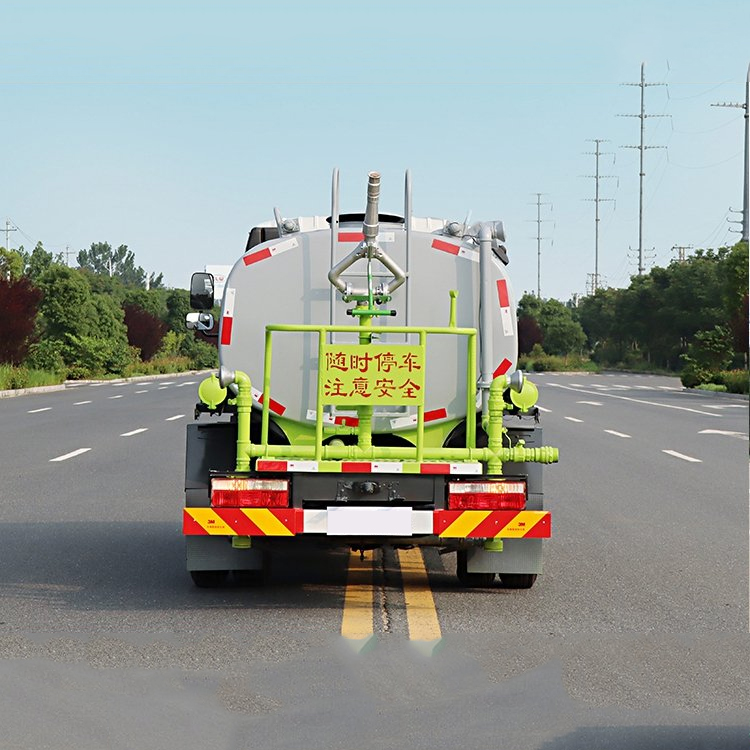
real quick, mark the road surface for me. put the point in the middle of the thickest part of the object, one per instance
(634, 637)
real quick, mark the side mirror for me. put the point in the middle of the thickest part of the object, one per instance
(202, 291)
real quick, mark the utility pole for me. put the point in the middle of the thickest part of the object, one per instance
(68, 253)
(746, 172)
(597, 200)
(539, 221)
(642, 148)
(8, 230)
(681, 252)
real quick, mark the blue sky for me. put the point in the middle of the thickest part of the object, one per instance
(175, 127)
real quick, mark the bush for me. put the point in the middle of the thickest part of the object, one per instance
(46, 355)
(20, 304)
(23, 377)
(711, 387)
(736, 381)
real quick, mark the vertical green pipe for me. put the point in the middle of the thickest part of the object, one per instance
(266, 390)
(364, 413)
(319, 402)
(471, 391)
(420, 408)
(495, 425)
(244, 408)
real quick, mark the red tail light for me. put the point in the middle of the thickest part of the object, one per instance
(249, 493)
(502, 495)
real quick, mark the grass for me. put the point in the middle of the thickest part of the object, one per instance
(12, 378)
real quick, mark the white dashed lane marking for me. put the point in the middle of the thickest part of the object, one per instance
(72, 454)
(36, 411)
(134, 432)
(120, 396)
(573, 419)
(176, 416)
(590, 403)
(189, 382)
(617, 434)
(81, 403)
(142, 391)
(546, 411)
(729, 433)
(683, 456)
(162, 388)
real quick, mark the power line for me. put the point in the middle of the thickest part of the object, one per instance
(8, 230)
(539, 221)
(597, 200)
(642, 148)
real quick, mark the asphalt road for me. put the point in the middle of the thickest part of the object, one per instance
(634, 637)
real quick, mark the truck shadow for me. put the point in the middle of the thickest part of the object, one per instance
(91, 565)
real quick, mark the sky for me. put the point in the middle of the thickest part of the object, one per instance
(175, 127)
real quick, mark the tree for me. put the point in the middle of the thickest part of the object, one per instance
(20, 304)
(12, 263)
(102, 259)
(562, 334)
(39, 261)
(529, 334)
(145, 330)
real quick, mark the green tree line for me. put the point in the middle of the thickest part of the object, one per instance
(94, 320)
(690, 317)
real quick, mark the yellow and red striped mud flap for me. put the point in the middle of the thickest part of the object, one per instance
(493, 524)
(242, 521)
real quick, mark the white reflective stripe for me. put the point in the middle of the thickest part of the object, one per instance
(282, 247)
(389, 521)
(468, 253)
(315, 522)
(466, 468)
(386, 467)
(312, 415)
(403, 421)
(229, 303)
(421, 522)
(507, 321)
(301, 465)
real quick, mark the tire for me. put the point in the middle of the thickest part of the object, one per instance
(518, 580)
(209, 579)
(471, 580)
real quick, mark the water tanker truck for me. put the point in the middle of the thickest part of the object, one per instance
(367, 396)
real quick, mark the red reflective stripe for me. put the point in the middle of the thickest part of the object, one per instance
(351, 236)
(435, 468)
(430, 416)
(226, 331)
(248, 260)
(446, 247)
(266, 465)
(346, 421)
(274, 405)
(502, 293)
(190, 526)
(502, 368)
(356, 466)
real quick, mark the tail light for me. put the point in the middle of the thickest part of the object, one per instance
(244, 492)
(504, 495)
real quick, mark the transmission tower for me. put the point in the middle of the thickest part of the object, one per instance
(681, 252)
(642, 149)
(746, 174)
(539, 221)
(597, 200)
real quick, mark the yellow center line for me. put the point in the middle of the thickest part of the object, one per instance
(420, 606)
(357, 620)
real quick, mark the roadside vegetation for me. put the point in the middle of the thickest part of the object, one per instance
(690, 318)
(106, 318)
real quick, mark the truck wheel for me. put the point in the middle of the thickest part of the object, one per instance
(209, 579)
(518, 580)
(471, 580)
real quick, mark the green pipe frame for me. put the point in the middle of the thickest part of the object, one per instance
(494, 455)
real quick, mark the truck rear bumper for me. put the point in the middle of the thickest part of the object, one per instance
(369, 522)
